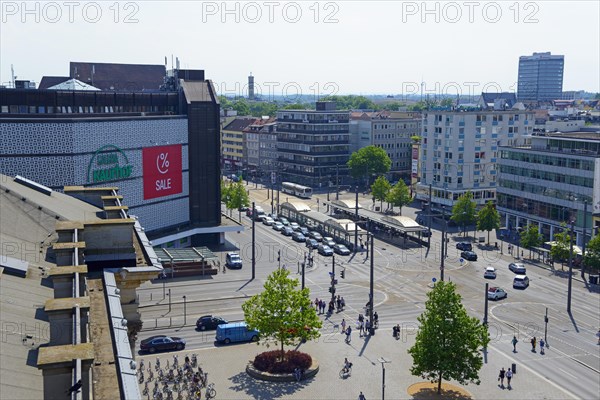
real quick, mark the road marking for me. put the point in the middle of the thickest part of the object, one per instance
(571, 375)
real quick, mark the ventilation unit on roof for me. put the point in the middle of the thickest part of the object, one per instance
(33, 185)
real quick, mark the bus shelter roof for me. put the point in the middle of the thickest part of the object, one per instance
(296, 206)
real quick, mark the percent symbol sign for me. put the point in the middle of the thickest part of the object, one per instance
(162, 163)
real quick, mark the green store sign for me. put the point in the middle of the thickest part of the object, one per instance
(109, 163)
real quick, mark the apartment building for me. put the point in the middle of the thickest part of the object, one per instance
(389, 130)
(261, 145)
(459, 151)
(232, 143)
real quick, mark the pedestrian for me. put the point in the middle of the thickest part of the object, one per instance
(501, 377)
(514, 343)
(533, 343)
(317, 303)
(509, 375)
(360, 328)
(367, 327)
(343, 303)
(343, 325)
(542, 343)
(348, 334)
(361, 396)
(598, 334)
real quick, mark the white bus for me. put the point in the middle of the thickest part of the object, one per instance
(297, 190)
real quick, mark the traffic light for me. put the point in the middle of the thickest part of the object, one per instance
(343, 274)
(332, 289)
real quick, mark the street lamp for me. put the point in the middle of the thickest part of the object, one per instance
(383, 361)
(570, 266)
(184, 311)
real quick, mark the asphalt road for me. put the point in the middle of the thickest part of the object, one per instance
(402, 280)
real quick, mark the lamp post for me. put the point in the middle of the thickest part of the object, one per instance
(383, 361)
(443, 244)
(184, 311)
(372, 269)
(570, 266)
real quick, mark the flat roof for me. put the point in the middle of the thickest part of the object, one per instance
(65, 353)
(187, 254)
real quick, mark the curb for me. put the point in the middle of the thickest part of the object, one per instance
(267, 376)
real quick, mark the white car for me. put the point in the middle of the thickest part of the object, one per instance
(490, 273)
(295, 226)
(268, 221)
(496, 293)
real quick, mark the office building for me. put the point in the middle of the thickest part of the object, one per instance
(540, 77)
(551, 181)
(313, 145)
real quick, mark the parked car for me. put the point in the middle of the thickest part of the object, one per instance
(517, 268)
(496, 293)
(490, 273)
(295, 226)
(287, 231)
(268, 221)
(329, 241)
(341, 249)
(464, 246)
(304, 230)
(233, 260)
(162, 343)
(469, 255)
(209, 322)
(284, 221)
(521, 281)
(278, 226)
(311, 243)
(298, 237)
(316, 235)
(235, 332)
(324, 250)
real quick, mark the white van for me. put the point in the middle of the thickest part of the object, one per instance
(521, 281)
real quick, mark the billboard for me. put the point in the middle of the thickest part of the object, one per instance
(162, 171)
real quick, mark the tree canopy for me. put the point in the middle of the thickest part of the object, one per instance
(399, 195)
(561, 248)
(351, 102)
(488, 219)
(282, 313)
(531, 237)
(235, 195)
(380, 189)
(464, 211)
(369, 160)
(591, 259)
(448, 342)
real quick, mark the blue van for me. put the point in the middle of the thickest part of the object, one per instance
(235, 332)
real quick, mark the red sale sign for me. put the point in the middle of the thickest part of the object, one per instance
(162, 171)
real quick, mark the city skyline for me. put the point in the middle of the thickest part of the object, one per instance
(310, 48)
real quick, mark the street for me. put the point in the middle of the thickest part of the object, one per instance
(570, 367)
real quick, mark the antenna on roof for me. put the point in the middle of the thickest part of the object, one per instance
(166, 64)
(12, 75)
(176, 62)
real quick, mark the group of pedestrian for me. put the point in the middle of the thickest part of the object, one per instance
(508, 374)
(320, 306)
(534, 343)
(340, 302)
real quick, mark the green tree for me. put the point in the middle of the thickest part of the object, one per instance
(531, 237)
(380, 189)
(368, 161)
(464, 211)
(561, 248)
(448, 342)
(591, 258)
(399, 195)
(224, 192)
(447, 102)
(488, 219)
(241, 106)
(282, 313)
(237, 197)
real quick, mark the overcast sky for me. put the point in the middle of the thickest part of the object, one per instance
(342, 47)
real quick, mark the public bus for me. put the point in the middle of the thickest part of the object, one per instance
(304, 192)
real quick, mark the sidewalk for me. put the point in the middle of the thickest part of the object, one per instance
(226, 368)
